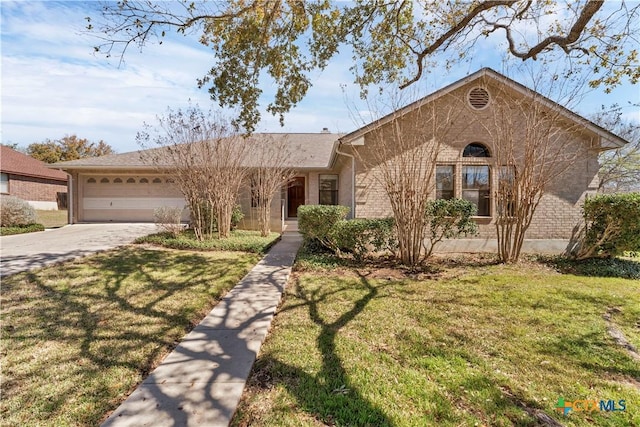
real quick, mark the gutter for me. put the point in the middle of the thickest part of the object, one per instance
(353, 178)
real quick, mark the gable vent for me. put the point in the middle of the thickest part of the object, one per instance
(478, 98)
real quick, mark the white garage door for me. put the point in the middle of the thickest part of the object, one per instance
(125, 198)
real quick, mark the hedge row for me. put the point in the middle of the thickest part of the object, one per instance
(613, 225)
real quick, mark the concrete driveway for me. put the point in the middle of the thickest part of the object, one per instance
(22, 252)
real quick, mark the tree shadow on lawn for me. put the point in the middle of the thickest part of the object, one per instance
(330, 397)
(327, 395)
(597, 353)
(120, 319)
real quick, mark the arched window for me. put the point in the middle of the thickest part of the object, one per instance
(157, 181)
(104, 181)
(144, 181)
(117, 181)
(131, 181)
(91, 181)
(475, 149)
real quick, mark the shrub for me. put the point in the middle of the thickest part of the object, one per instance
(612, 225)
(16, 212)
(169, 219)
(449, 219)
(361, 236)
(236, 216)
(316, 222)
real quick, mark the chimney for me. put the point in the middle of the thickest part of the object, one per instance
(325, 130)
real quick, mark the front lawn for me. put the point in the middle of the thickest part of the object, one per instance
(464, 343)
(78, 337)
(52, 219)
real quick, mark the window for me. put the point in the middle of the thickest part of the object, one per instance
(506, 196)
(444, 182)
(157, 181)
(475, 149)
(91, 181)
(4, 183)
(476, 188)
(131, 181)
(144, 181)
(117, 181)
(104, 181)
(328, 190)
(255, 191)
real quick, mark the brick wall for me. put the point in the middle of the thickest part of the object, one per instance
(35, 189)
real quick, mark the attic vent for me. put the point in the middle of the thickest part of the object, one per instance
(478, 98)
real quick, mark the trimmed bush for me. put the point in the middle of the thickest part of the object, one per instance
(449, 219)
(613, 225)
(317, 222)
(16, 212)
(362, 236)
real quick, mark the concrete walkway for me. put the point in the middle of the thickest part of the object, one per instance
(200, 383)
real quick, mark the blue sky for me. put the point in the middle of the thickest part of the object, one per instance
(53, 85)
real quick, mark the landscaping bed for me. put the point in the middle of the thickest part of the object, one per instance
(240, 240)
(465, 341)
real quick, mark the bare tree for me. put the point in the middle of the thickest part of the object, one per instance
(204, 154)
(619, 169)
(401, 158)
(534, 143)
(272, 170)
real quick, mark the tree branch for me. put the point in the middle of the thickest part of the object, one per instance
(452, 32)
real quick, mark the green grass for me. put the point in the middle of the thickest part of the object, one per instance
(52, 219)
(240, 240)
(77, 338)
(460, 344)
(21, 229)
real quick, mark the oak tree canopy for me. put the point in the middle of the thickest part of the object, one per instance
(391, 41)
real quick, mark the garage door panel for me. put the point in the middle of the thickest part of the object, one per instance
(144, 203)
(127, 197)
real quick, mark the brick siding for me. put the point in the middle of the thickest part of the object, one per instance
(559, 211)
(35, 189)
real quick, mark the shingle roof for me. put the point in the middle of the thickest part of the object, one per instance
(16, 163)
(306, 151)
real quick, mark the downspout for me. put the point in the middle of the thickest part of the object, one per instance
(353, 179)
(70, 198)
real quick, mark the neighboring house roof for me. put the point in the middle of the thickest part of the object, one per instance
(608, 139)
(306, 151)
(15, 163)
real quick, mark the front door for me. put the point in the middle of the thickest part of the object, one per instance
(295, 196)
